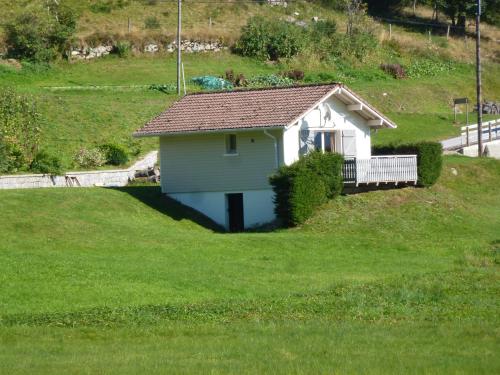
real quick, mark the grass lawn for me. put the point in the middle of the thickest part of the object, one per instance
(121, 281)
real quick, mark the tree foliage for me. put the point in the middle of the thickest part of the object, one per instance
(271, 40)
(20, 125)
(41, 35)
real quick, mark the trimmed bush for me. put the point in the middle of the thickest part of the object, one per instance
(429, 158)
(46, 164)
(114, 154)
(305, 185)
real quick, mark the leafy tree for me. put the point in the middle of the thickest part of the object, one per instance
(270, 39)
(19, 125)
(41, 35)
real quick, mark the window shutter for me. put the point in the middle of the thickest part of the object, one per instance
(338, 141)
(349, 143)
(306, 142)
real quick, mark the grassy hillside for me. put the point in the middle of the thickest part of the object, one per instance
(78, 114)
(119, 281)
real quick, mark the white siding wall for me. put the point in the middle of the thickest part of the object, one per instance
(196, 163)
(258, 206)
(341, 119)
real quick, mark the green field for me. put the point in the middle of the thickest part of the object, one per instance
(87, 103)
(122, 281)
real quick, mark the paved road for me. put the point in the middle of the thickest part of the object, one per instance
(459, 142)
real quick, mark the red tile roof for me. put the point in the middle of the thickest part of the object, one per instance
(239, 109)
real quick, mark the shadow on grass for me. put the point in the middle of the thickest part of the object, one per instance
(153, 197)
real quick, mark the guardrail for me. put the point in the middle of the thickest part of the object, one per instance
(469, 133)
(381, 169)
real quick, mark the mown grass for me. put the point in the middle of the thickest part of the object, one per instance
(120, 281)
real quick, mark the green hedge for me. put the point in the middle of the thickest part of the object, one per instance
(303, 186)
(429, 158)
(114, 154)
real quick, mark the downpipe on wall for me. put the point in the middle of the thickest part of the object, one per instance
(276, 155)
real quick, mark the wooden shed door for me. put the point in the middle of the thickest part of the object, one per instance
(235, 212)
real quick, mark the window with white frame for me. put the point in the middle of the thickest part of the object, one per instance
(339, 141)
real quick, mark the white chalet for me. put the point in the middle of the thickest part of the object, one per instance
(218, 149)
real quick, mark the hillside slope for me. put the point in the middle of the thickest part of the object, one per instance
(93, 278)
(105, 100)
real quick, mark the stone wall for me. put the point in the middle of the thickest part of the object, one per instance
(188, 46)
(109, 178)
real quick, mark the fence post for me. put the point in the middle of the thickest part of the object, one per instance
(430, 40)
(467, 113)
(129, 25)
(390, 31)
(467, 136)
(448, 32)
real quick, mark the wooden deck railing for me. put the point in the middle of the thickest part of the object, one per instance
(381, 169)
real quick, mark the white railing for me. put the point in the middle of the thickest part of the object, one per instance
(381, 169)
(490, 130)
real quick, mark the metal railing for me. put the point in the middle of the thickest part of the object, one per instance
(381, 170)
(490, 130)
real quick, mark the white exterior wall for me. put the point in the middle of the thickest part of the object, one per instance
(195, 172)
(258, 206)
(338, 118)
(197, 162)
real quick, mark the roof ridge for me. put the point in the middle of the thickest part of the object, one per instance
(251, 89)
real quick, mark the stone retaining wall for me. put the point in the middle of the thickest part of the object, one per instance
(109, 178)
(189, 46)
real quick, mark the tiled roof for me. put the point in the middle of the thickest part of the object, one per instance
(239, 109)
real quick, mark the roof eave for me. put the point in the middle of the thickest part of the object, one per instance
(208, 131)
(368, 110)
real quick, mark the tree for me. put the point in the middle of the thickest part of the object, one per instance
(41, 35)
(20, 127)
(355, 12)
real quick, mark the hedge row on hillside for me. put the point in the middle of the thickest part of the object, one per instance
(303, 186)
(429, 158)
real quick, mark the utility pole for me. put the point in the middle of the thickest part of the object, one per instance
(179, 22)
(478, 82)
